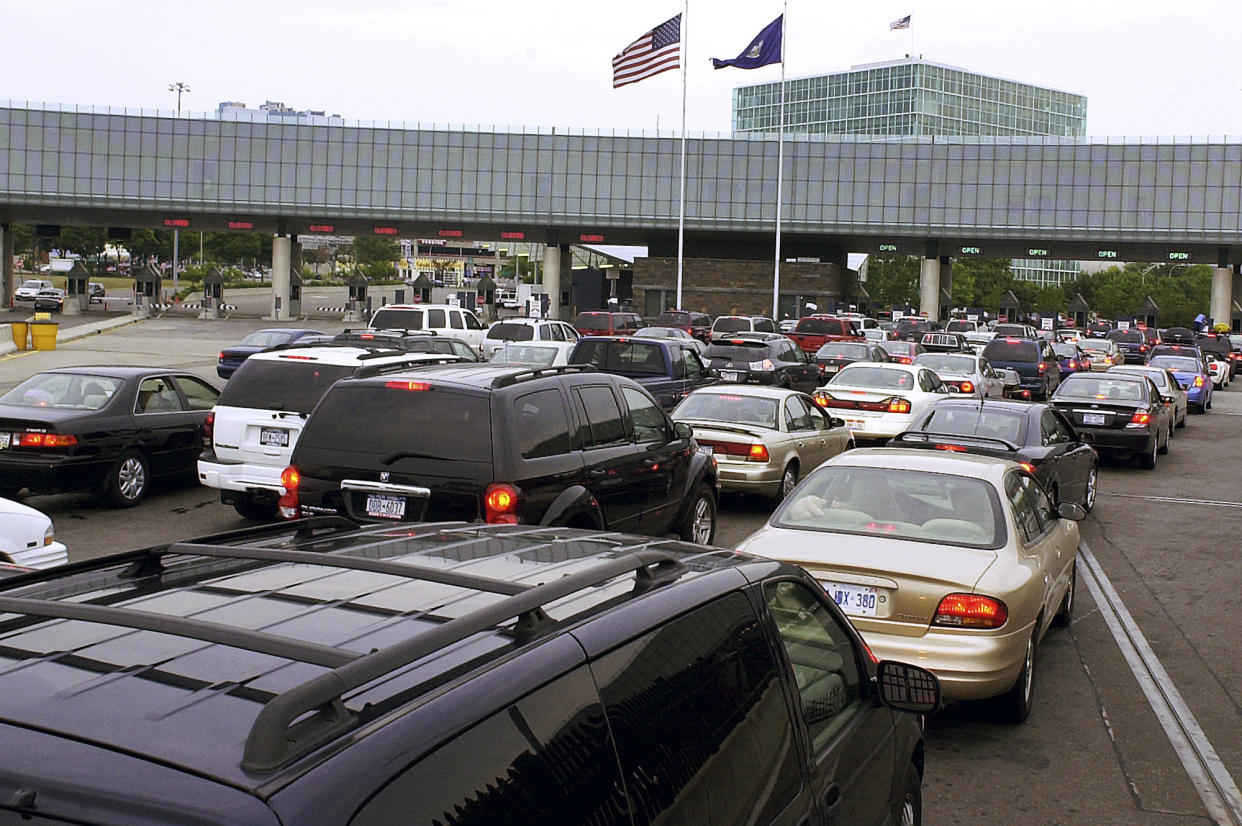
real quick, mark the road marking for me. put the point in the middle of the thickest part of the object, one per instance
(1203, 766)
(1211, 503)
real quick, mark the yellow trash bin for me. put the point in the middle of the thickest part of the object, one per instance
(43, 335)
(20, 331)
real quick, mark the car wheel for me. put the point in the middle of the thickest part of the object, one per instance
(700, 523)
(128, 480)
(911, 812)
(1168, 435)
(248, 508)
(789, 481)
(1147, 461)
(1018, 700)
(1088, 496)
(1065, 613)
(1182, 421)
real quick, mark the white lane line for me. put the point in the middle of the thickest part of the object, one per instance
(1212, 503)
(1203, 766)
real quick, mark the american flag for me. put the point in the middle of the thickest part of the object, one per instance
(659, 50)
(903, 23)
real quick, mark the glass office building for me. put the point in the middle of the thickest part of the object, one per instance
(916, 98)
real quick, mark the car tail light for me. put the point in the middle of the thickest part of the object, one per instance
(902, 359)
(500, 502)
(1198, 381)
(408, 385)
(967, 387)
(1073, 365)
(898, 406)
(766, 364)
(1142, 348)
(288, 505)
(209, 427)
(1043, 366)
(44, 440)
(970, 611)
(951, 448)
(1140, 417)
(757, 453)
(1027, 466)
(220, 356)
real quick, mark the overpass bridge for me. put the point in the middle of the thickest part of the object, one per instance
(939, 198)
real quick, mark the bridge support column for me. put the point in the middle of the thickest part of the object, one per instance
(946, 284)
(8, 286)
(1222, 294)
(929, 288)
(281, 253)
(552, 278)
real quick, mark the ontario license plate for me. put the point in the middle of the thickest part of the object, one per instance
(855, 600)
(831, 368)
(706, 450)
(855, 424)
(385, 507)
(1093, 418)
(273, 437)
(730, 375)
(5, 438)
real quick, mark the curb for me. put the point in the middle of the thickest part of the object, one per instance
(8, 348)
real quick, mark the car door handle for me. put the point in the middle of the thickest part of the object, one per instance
(597, 472)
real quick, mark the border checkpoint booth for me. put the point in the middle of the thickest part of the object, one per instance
(295, 294)
(77, 289)
(1147, 312)
(1009, 306)
(486, 289)
(148, 289)
(357, 306)
(422, 289)
(1078, 309)
(213, 293)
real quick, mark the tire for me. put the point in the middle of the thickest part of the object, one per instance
(255, 511)
(700, 522)
(1088, 495)
(1016, 703)
(789, 480)
(911, 811)
(1065, 612)
(1147, 461)
(128, 480)
(1182, 422)
(1167, 436)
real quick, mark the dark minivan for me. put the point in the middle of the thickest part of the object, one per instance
(698, 325)
(319, 673)
(1038, 368)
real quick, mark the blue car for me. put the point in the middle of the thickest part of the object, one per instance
(1191, 373)
(1071, 358)
(231, 358)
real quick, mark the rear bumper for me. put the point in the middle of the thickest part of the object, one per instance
(1118, 438)
(761, 479)
(52, 473)
(241, 478)
(970, 666)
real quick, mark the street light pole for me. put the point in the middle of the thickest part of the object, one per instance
(177, 87)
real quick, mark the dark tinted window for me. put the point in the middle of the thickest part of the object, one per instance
(540, 424)
(753, 351)
(845, 349)
(399, 320)
(281, 385)
(673, 320)
(604, 423)
(508, 331)
(1128, 336)
(545, 759)
(961, 326)
(593, 321)
(1011, 350)
(700, 721)
(824, 326)
(975, 421)
(731, 324)
(378, 420)
(636, 358)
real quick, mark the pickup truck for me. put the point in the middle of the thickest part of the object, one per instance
(443, 319)
(668, 368)
(814, 331)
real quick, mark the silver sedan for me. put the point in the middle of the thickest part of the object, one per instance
(764, 438)
(971, 374)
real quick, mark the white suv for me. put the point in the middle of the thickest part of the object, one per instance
(30, 289)
(250, 433)
(526, 329)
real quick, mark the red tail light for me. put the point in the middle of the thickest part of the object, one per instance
(903, 359)
(970, 611)
(1073, 365)
(408, 385)
(1140, 417)
(44, 440)
(1198, 381)
(220, 356)
(209, 427)
(951, 448)
(288, 505)
(898, 406)
(500, 502)
(1027, 466)
(758, 453)
(1043, 366)
(967, 387)
(1142, 348)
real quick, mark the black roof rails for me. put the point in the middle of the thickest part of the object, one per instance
(538, 372)
(304, 717)
(389, 332)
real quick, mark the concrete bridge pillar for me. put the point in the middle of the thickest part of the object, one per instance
(8, 286)
(1237, 281)
(946, 282)
(1222, 294)
(929, 288)
(552, 278)
(281, 254)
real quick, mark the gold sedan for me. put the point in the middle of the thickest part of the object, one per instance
(958, 563)
(1104, 353)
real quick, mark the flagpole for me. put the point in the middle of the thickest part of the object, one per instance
(780, 176)
(681, 213)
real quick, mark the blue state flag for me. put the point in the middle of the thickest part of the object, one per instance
(764, 49)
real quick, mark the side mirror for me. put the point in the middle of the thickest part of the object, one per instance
(1072, 511)
(683, 430)
(1086, 438)
(907, 687)
(833, 421)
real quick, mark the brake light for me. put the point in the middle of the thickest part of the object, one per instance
(408, 385)
(903, 359)
(1043, 366)
(967, 387)
(1198, 381)
(970, 611)
(1027, 466)
(220, 356)
(1140, 417)
(1142, 348)
(951, 448)
(289, 505)
(45, 440)
(500, 503)
(758, 453)
(1073, 365)
(898, 406)
(765, 365)
(209, 425)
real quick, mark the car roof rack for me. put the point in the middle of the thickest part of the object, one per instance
(369, 370)
(928, 437)
(389, 332)
(539, 372)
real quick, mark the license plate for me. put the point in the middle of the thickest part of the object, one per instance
(1093, 418)
(855, 424)
(385, 507)
(706, 450)
(730, 375)
(4, 440)
(855, 600)
(273, 437)
(831, 368)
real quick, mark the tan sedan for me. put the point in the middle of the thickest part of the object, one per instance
(959, 563)
(1104, 353)
(764, 438)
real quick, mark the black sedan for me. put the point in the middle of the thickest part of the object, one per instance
(762, 358)
(106, 429)
(1038, 436)
(231, 358)
(837, 354)
(50, 299)
(1123, 414)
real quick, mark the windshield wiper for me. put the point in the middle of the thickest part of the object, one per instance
(406, 454)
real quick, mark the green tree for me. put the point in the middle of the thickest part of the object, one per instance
(988, 279)
(87, 242)
(893, 281)
(232, 247)
(150, 243)
(369, 250)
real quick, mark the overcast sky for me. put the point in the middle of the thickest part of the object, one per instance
(1146, 67)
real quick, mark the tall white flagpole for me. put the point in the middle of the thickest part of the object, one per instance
(681, 213)
(780, 176)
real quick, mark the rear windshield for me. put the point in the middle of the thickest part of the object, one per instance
(1011, 350)
(881, 378)
(961, 326)
(843, 348)
(824, 326)
(731, 325)
(1182, 363)
(397, 320)
(630, 358)
(975, 421)
(736, 352)
(281, 385)
(525, 354)
(947, 363)
(728, 407)
(265, 338)
(1157, 376)
(900, 348)
(1128, 336)
(673, 320)
(1064, 350)
(907, 324)
(390, 423)
(508, 331)
(593, 321)
(63, 391)
(1082, 386)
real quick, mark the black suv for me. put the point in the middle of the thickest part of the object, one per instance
(1038, 368)
(504, 444)
(698, 325)
(762, 358)
(466, 674)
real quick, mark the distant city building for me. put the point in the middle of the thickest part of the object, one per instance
(913, 97)
(272, 110)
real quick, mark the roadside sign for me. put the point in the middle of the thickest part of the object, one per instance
(1046, 323)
